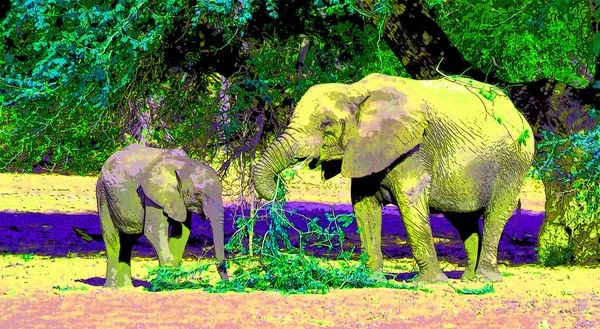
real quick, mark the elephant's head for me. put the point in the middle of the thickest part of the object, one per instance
(356, 129)
(179, 184)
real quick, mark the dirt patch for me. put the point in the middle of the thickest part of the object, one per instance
(75, 194)
(524, 300)
(37, 213)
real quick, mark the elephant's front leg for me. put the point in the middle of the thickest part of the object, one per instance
(418, 230)
(156, 230)
(414, 209)
(180, 233)
(367, 210)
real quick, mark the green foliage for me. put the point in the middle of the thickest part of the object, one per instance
(290, 272)
(525, 42)
(74, 69)
(277, 228)
(69, 288)
(64, 66)
(79, 75)
(165, 278)
(287, 274)
(488, 94)
(69, 67)
(486, 289)
(580, 155)
(582, 149)
(27, 257)
(523, 136)
(555, 256)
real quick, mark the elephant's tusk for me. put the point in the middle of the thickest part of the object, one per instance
(301, 164)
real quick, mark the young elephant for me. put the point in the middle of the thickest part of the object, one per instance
(143, 190)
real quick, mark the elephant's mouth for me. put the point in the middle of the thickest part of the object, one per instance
(314, 163)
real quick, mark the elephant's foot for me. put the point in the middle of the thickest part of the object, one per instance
(111, 282)
(114, 285)
(222, 269)
(110, 285)
(468, 275)
(488, 274)
(430, 277)
(169, 262)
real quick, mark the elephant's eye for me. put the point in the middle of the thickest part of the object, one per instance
(326, 124)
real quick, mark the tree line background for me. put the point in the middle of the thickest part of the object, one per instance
(81, 79)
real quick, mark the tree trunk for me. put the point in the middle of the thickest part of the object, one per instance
(223, 120)
(299, 65)
(420, 44)
(252, 206)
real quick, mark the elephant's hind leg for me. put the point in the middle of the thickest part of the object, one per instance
(494, 220)
(118, 244)
(118, 253)
(110, 235)
(467, 225)
(112, 243)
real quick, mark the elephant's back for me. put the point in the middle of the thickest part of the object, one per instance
(129, 163)
(469, 103)
(472, 156)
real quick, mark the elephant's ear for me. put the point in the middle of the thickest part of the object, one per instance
(161, 184)
(390, 123)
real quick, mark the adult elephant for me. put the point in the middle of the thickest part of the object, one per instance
(452, 146)
(142, 191)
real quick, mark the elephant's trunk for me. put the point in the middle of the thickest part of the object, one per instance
(212, 206)
(278, 156)
(216, 224)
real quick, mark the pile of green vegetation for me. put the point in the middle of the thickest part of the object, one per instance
(290, 271)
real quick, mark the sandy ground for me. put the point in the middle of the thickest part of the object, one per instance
(529, 297)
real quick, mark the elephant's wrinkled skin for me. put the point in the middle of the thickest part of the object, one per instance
(141, 191)
(423, 145)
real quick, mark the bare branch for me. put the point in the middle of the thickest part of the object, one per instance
(260, 122)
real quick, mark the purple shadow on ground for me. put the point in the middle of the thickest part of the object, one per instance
(53, 235)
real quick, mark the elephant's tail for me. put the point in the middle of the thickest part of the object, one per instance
(87, 237)
(519, 207)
